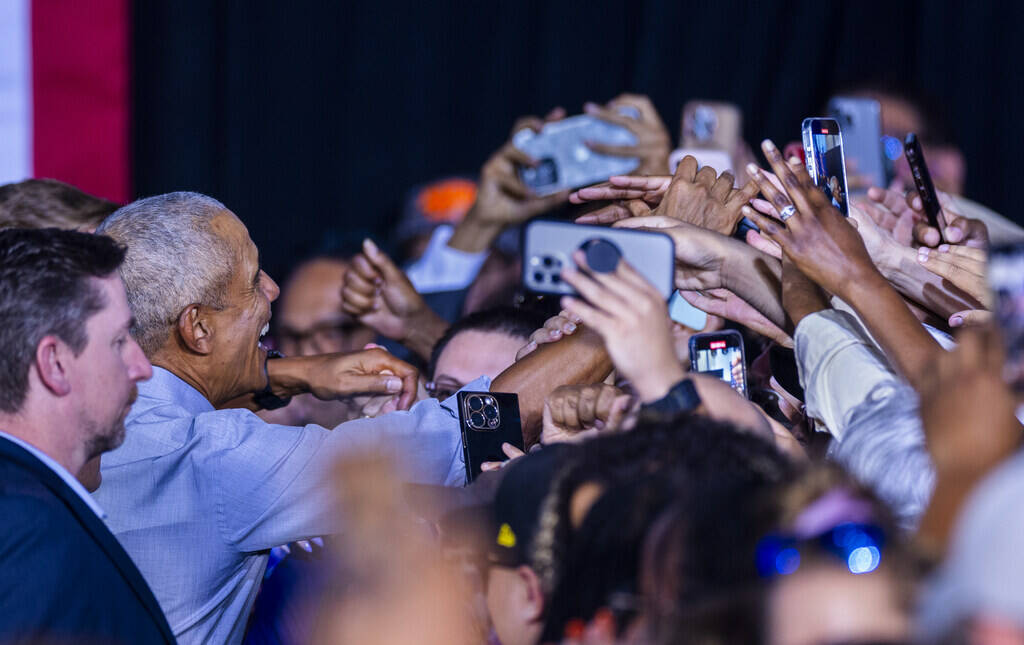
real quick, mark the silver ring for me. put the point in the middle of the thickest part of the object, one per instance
(787, 212)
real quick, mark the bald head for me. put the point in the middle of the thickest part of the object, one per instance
(309, 314)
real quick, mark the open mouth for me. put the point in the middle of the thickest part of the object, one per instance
(263, 332)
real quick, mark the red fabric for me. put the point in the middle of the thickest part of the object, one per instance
(81, 94)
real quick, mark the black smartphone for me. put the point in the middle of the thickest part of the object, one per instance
(823, 150)
(488, 419)
(923, 181)
(1006, 279)
(720, 354)
(548, 247)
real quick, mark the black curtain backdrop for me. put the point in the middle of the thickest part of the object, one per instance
(312, 120)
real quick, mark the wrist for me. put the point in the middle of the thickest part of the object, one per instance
(654, 384)
(863, 286)
(473, 234)
(287, 376)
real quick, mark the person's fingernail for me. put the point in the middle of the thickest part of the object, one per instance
(370, 246)
(569, 327)
(752, 169)
(943, 248)
(555, 334)
(794, 159)
(954, 234)
(393, 385)
(306, 546)
(956, 321)
(922, 254)
(768, 144)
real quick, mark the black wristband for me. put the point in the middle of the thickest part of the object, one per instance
(681, 398)
(266, 398)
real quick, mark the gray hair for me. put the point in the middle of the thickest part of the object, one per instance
(174, 260)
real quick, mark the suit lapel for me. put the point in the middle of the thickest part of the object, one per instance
(94, 526)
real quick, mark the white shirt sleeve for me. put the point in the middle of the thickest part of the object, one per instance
(442, 268)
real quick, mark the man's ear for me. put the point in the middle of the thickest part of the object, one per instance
(534, 595)
(53, 358)
(195, 329)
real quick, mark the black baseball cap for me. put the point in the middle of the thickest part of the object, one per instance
(503, 529)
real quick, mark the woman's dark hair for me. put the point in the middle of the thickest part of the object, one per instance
(711, 468)
(518, 323)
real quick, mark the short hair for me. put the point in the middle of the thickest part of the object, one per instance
(515, 322)
(174, 260)
(40, 203)
(45, 289)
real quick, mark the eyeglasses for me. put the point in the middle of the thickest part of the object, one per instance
(443, 388)
(857, 546)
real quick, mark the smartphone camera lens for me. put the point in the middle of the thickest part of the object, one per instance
(477, 420)
(490, 412)
(538, 276)
(548, 261)
(475, 404)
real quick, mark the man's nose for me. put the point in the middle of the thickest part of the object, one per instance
(270, 287)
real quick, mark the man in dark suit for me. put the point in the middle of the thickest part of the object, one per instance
(68, 371)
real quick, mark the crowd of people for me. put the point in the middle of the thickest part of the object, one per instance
(191, 453)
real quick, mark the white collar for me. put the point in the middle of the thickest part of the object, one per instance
(61, 472)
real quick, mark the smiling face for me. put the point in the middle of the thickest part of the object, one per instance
(105, 374)
(237, 357)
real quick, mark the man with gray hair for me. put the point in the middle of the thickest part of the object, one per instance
(198, 495)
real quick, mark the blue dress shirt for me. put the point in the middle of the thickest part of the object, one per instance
(198, 496)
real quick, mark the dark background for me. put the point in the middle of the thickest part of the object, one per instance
(312, 120)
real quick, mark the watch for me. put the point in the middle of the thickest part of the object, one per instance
(681, 398)
(266, 398)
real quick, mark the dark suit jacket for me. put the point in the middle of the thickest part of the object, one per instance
(64, 577)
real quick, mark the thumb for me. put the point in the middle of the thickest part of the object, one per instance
(374, 384)
(381, 261)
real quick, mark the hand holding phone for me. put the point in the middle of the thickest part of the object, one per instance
(923, 183)
(488, 420)
(549, 247)
(632, 319)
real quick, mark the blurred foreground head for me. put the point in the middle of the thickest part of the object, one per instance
(390, 585)
(41, 203)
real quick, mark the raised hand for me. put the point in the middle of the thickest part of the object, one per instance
(726, 304)
(700, 254)
(553, 330)
(630, 196)
(632, 318)
(816, 237)
(705, 199)
(380, 295)
(574, 412)
(652, 145)
(963, 266)
(502, 199)
(957, 229)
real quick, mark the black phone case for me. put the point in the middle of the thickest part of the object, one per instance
(479, 444)
(923, 181)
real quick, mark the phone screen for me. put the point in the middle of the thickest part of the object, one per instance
(720, 355)
(1006, 279)
(823, 147)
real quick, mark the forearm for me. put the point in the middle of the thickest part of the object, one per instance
(578, 359)
(472, 235)
(899, 333)
(951, 492)
(922, 286)
(757, 279)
